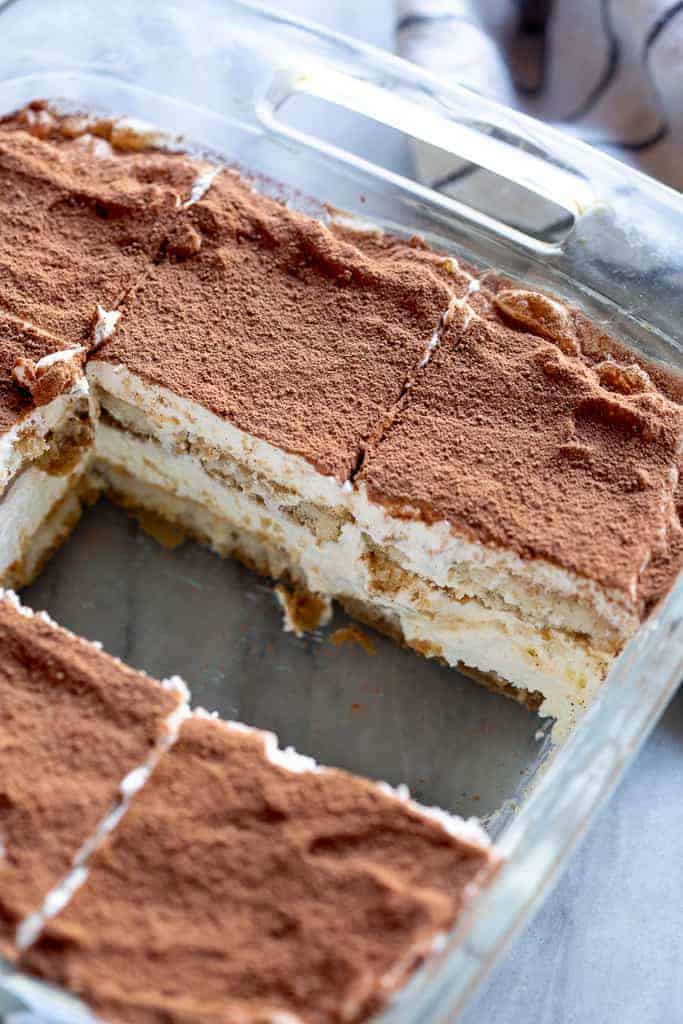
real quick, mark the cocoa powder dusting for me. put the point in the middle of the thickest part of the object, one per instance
(266, 318)
(79, 230)
(526, 426)
(456, 274)
(73, 723)
(234, 889)
(518, 440)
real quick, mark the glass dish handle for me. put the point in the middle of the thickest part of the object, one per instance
(243, 60)
(504, 153)
(625, 245)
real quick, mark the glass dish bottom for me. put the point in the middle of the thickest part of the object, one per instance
(389, 715)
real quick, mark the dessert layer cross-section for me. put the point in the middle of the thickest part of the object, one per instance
(166, 865)
(471, 466)
(46, 436)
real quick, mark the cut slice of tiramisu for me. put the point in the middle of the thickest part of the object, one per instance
(247, 884)
(522, 504)
(77, 731)
(46, 433)
(167, 865)
(247, 376)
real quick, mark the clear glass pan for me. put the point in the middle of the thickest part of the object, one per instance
(221, 74)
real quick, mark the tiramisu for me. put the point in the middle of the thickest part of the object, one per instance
(176, 867)
(78, 730)
(468, 465)
(471, 467)
(80, 223)
(46, 433)
(247, 885)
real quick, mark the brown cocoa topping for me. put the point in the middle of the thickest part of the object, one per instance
(184, 241)
(234, 888)
(523, 445)
(73, 723)
(20, 346)
(539, 315)
(46, 382)
(626, 380)
(293, 334)
(78, 231)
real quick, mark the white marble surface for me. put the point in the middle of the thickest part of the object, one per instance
(607, 946)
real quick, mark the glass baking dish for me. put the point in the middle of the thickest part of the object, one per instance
(224, 76)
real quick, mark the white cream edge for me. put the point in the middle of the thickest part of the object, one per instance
(27, 507)
(39, 422)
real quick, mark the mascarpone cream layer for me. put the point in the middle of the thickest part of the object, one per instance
(28, 439)
(546, 593)
(331, 555)
(30, 520)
